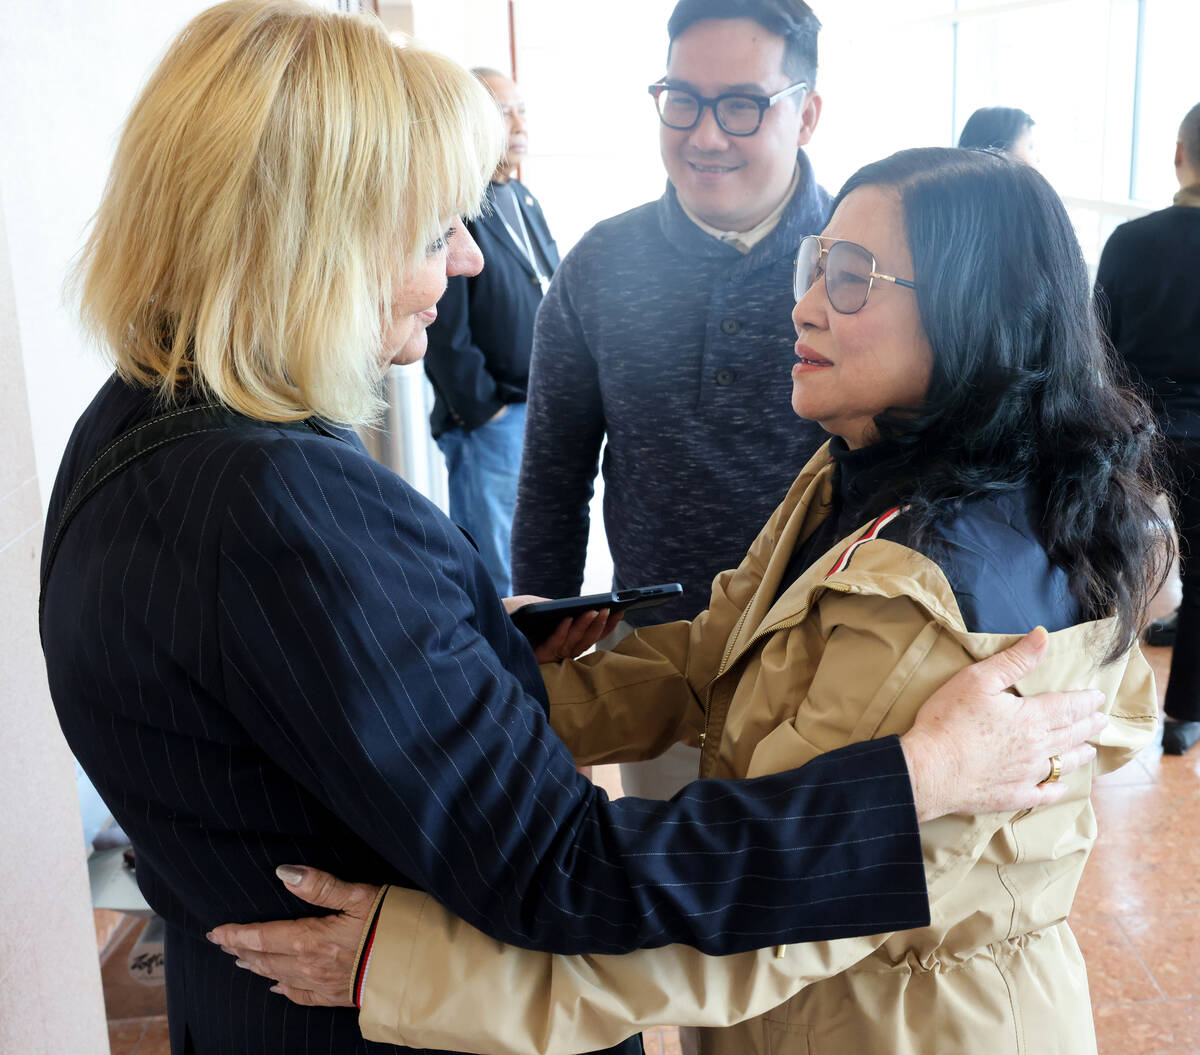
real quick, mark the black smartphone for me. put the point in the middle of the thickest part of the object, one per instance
(539, 620)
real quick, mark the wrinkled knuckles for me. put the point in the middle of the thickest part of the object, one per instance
(323, 891)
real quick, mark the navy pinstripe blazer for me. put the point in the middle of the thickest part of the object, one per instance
(264, 647)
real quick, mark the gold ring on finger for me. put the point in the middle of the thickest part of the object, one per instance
(1055, 770)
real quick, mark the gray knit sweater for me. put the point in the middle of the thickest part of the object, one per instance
(678, 348)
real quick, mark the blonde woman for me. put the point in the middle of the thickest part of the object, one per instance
(265, 647)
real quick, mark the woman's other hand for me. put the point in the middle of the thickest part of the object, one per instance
(572, 637)
(976, 747)
(511, 604)
(311, 960)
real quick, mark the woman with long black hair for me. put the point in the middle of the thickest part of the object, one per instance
(1003, 128)
(987, 474)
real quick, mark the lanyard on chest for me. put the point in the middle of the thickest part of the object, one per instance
(522, 241)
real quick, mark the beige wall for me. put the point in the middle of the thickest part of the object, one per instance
(473, 32)
(397, 15)
(68, 72)
(49, 976)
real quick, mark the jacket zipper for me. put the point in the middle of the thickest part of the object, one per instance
(724, 660)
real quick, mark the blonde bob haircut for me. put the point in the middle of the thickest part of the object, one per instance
(280, 172)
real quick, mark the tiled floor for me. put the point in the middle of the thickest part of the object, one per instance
(1137, 914)
(137, 1014)
(663, 1041)
(1137, 917)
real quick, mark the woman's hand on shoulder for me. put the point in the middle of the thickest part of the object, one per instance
(976, 747)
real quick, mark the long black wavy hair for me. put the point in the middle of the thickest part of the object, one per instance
(1024, 388)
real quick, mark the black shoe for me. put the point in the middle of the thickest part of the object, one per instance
(1179, 737)
(1161, 633)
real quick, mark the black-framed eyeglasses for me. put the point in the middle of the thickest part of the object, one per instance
(737, 113)
(849, 271)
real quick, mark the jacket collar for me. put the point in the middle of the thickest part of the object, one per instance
(1189, 195)
(806, 213)
(147, 405)
(811, 500)
(836, 476)
(859, 477)
(537, 234)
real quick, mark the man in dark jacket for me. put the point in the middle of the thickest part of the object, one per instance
(1148, 276)
(479, 347)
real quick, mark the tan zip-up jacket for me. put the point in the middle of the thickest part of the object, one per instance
(840, 657)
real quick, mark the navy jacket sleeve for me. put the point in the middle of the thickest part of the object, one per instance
(564, 430)
(456, 365)
(365, 652)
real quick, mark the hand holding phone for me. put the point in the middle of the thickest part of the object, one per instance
(539, 620)
(576, 635)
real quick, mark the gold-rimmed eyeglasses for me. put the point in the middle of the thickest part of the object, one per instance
(849, 271)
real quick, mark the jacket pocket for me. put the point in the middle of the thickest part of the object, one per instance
(762, 1036)
(789, 1039)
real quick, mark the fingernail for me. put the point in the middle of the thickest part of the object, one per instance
(243, 964)
(290, 874)
(277, 989)
(208, 934)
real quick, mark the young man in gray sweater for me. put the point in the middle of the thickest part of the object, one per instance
(667, 331)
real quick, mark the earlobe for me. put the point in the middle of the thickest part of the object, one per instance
(810, 116)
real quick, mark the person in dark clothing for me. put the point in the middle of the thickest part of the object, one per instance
(1149, 285)
(479, 348)
(1003, 128)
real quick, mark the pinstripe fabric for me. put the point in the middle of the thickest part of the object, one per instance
(266, 648)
